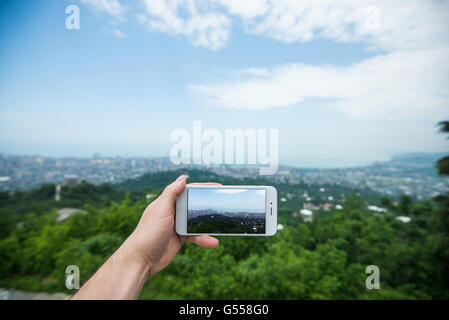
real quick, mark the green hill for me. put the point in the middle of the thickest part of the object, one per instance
(324, 258)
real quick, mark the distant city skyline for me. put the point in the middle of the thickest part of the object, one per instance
(227, 200)
(344, 89)
(413, 174)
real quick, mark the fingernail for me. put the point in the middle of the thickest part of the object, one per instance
(180, 178)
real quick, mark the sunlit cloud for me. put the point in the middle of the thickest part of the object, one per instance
(395, 84)
(204, 27)
(112, 7)
(408, 78)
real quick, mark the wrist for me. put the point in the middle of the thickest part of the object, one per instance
(122, 276)
(132, 259)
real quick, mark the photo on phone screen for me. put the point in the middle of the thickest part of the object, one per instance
(226, 210)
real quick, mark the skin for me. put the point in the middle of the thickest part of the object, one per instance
(149, 249)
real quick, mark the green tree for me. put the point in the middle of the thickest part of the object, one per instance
(443, 163)
(439, 240)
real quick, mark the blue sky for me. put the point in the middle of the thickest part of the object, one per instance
(346, 84)
(227, 199)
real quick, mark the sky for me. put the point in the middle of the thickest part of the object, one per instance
(242, 200)
(345, 82)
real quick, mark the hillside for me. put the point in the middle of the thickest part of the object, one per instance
(322, 256)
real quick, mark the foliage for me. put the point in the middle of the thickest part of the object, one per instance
(443, 163)
(324, 258)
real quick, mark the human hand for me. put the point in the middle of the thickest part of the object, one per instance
(149, 249)
(155, 240)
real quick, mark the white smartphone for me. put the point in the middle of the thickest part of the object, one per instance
(227, 211)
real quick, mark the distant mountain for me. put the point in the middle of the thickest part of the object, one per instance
(415, 160)
(414, 174)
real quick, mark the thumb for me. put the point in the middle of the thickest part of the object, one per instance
(173, 190)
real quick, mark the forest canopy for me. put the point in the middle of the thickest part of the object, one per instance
(325, 258)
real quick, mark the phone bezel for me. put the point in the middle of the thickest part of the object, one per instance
(270, 211)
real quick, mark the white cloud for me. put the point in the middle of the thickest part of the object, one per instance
(410, 78)
(247, 9)
(195, 20)
(394, 84)
(119, 34)
(255, 72)
(112, 7)
(384, 24)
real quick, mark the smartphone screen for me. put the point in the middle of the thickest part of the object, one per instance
(216, 210)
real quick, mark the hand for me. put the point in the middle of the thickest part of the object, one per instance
(148, 250)
(155, 240)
